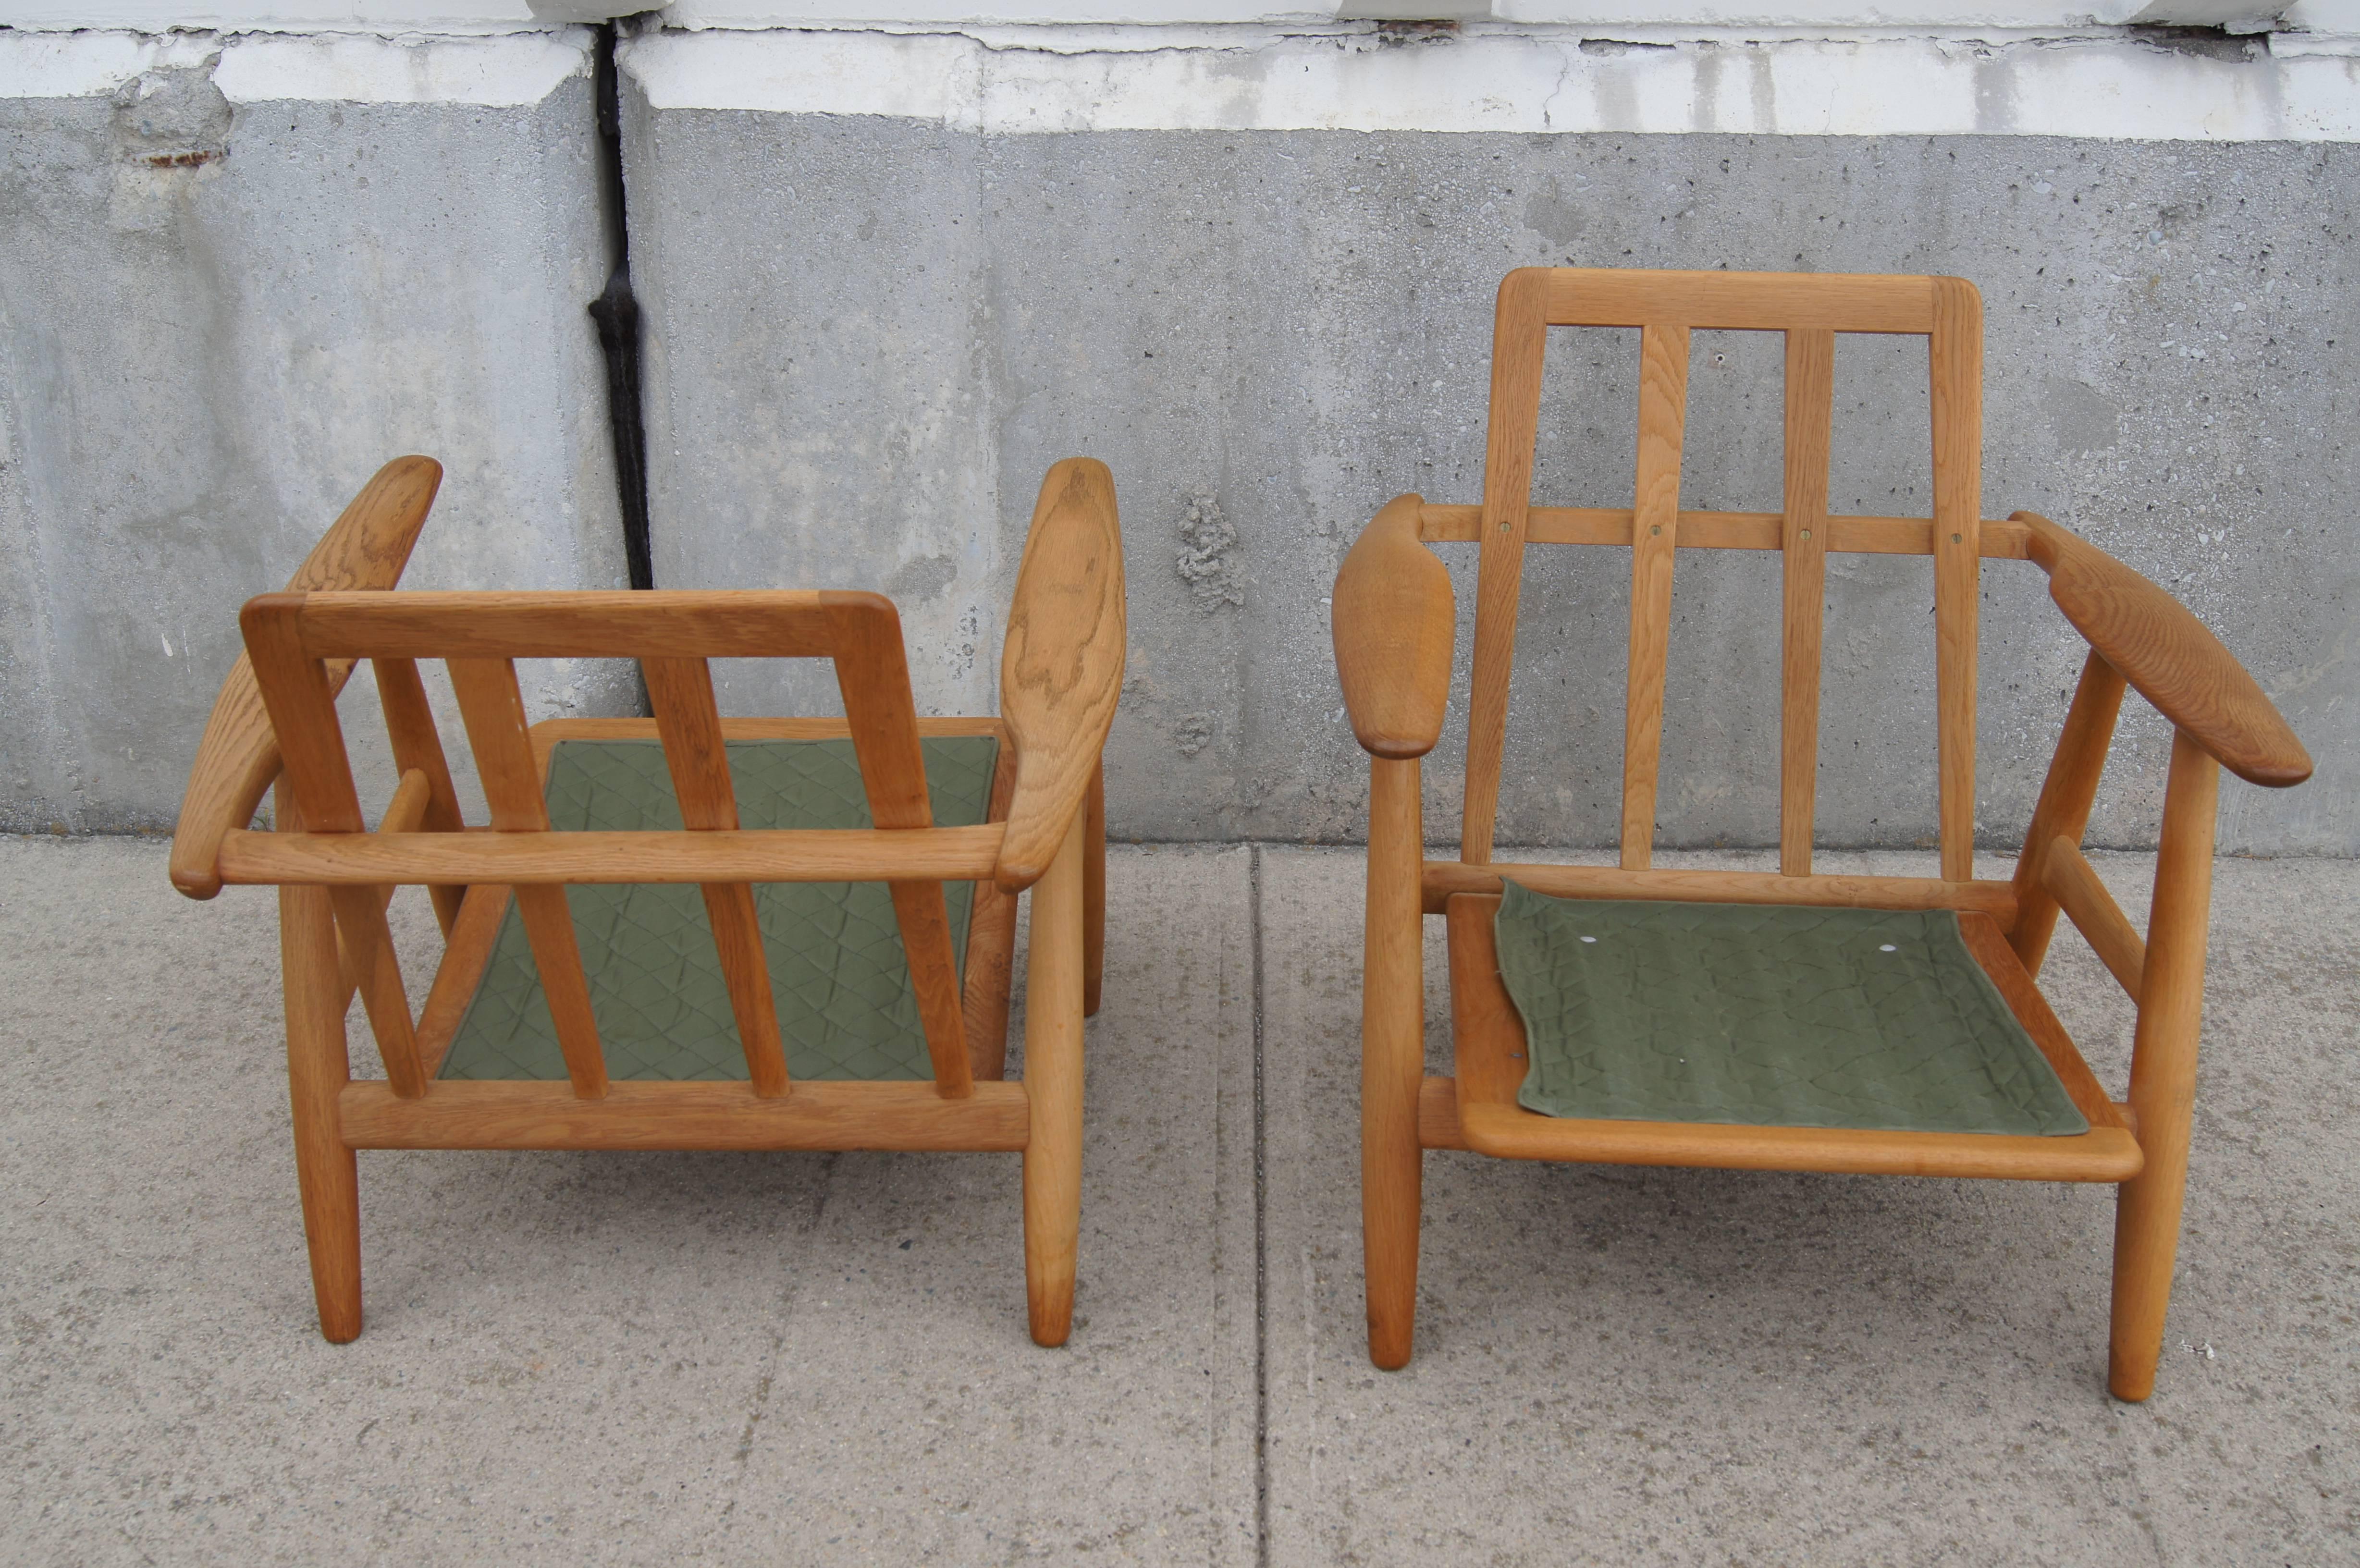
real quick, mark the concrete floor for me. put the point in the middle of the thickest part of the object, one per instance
(644, 1358)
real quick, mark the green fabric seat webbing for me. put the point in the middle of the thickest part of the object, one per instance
(1767, 1015)
(842, 985)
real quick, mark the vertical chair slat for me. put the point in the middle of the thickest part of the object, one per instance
(1654, 522)
(689, 725)
(377, 975)
(410, 723)
(1810, 396)
(302, 708)
(873, 674)
(1519, 346)
(494, 711)
(1956, 362)
(405, 813)
(990, 944)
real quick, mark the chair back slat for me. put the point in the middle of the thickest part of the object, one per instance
(418, 744)
(1956, 360)
(1668, 306)
(1519, 351)
(493, 709)
(990, 937)
(873, 675)
(1811, 405)
(689, 723)
(298, 694)
(1655, 534)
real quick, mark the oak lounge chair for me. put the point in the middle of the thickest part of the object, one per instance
(585, 998)
(1786, 1022)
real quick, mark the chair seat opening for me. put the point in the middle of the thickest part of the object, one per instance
(1768, 1016)
(845, 1006)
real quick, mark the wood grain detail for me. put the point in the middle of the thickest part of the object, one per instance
(1061, 665)
(2166, 652)
(366, 547)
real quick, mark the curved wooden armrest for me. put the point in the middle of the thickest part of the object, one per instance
(1061, 668)
(239, 758)
(2164, 650)
(1393, 619)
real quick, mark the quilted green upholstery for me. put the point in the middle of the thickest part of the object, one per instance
(845, 1006)
(1767, 1015)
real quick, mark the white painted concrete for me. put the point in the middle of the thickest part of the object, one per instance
(85, 65)
(1493, 78)
(1988, 19)
(385, 16)
(509, 71)
(519, 69)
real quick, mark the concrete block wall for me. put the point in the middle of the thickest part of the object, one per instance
(889, 275)
(234, 278)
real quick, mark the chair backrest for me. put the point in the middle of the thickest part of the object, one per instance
(1667, 307)
(294, 639)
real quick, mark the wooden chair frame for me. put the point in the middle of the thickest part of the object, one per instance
(276, 721)
(1394, 625)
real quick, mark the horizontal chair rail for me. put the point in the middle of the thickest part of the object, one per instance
(1726, 301)
(817, 1115)
(1997, 540)
(549, 734)
(1997, 900)
(774, 854)
(2102, 1154)
(2072, 881)
(615, 623)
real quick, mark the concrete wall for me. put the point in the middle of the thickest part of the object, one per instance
(1253, 273)
(876, 332)
(217, 318)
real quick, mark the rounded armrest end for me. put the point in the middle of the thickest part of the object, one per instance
(1393, 620)
(2161, 647)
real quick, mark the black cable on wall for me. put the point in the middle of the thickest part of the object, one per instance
(617, 312)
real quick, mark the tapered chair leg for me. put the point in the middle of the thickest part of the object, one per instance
(1053, 1088)
(1094, 893)
(1393, 1060)
(317, 1071)
(2163, 1070)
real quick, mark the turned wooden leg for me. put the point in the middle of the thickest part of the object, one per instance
(2163, 1070)
(317, 1071)
(1052, 1089)
(1392, 1060)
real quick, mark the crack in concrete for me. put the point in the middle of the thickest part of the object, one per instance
(759, 1404)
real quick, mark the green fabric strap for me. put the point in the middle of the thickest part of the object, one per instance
(1767, 1015)
(842, 986)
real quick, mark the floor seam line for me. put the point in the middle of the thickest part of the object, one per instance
(1262, 1232)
